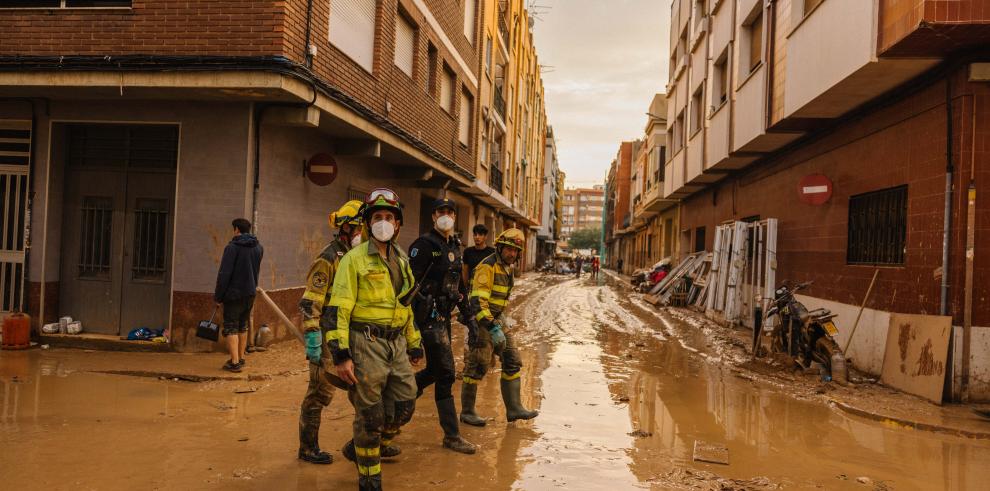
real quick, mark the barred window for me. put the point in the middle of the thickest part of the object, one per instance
(878, 227)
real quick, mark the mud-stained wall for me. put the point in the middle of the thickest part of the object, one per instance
(213, 156)
(292, 211)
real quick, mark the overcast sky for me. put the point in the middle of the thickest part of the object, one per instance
(607, 58)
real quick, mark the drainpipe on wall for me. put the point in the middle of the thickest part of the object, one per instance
(947, 223)
(970, 252)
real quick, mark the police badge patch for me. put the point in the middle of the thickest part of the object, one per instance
(320, 280)
(450, 256)
(413, 252)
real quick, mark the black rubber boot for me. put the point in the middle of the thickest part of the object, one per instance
(370, 483)
(387, 451)
(513, 407)
(451, 433)
(469, 393)
(309, 437)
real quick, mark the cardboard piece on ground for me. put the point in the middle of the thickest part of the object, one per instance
(916, 352)
(711, 452)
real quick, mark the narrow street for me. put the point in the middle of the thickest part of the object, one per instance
(624, 394)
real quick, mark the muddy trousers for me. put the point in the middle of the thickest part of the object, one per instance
(319, 394)
(478, 357)
(440, 370)
(384, 399)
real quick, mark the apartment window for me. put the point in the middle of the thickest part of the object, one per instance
(447, 89)
(877, 227)
(700, 12)
(753, 37)
(697, 109)
(64, 4)
(721, 80)
(469, 9)
(699, 239)
(405, 44)
(488, 54)
(464, 122)
(352, 30)
(432, 60)
(677, 136)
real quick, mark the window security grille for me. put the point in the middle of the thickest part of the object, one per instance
(150, 239)
(97, 233)
(878, 227)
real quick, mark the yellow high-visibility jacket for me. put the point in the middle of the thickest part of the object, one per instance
(314, 304)
(491, 286)
(363, 292)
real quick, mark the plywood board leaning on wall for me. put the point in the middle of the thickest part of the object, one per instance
(915, 358)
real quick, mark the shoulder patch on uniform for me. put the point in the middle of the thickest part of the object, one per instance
(483, 275)
(413, 252)
(320, 279)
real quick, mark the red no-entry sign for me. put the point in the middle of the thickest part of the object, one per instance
(321, 169)
(815, 189)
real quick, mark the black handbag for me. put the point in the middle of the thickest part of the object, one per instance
(209, 330)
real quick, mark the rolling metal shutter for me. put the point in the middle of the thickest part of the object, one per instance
(352, 30)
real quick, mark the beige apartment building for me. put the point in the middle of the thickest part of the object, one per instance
(654, 217)
(513, 124)
(581, 208)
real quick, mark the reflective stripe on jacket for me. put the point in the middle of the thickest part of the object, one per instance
(490, 289)
(363, 292)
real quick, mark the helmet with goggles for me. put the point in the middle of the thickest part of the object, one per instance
(381, 199)
(349, 213)
(512, 237)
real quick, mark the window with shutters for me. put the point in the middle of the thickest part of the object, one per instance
(447, 89)
(352, 30)
(469, 10)
(464, 122)
(753, 41)
(405, 44)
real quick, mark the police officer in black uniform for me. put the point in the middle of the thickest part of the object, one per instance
(435, 259)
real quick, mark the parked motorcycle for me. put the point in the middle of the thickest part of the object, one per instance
(807, 336)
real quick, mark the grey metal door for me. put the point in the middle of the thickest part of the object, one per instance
(146, 278)
(92, 247)
(117, 226)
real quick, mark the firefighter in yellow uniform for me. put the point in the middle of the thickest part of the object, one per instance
(491, 286)
(316, 311)
(375, 342)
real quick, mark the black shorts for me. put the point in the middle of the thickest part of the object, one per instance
(236, 314)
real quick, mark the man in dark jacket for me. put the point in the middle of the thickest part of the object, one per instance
(237, 281)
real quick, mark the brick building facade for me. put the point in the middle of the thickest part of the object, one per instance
(237, 97)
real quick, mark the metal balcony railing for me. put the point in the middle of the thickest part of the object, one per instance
(499, 103)
(495, 178)
(503, 30)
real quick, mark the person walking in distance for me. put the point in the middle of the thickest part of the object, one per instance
(237, 280)
(595, 266)
(491, 287)
(578, 265)
(435, 258)
(316, 313)
(374, 343)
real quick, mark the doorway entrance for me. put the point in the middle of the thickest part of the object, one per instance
(117, 225)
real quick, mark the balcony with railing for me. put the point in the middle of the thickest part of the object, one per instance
(503, 30)
(495, 177)
(499, 103)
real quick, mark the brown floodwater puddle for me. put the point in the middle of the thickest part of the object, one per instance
(625, 401)
(624, 395)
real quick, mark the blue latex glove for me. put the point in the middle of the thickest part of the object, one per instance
(498, 337)
(314, 346)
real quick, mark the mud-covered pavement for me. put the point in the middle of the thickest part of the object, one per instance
(624, 393)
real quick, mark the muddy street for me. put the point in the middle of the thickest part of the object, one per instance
(625, 393)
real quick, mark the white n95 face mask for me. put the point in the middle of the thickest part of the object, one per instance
(355, 241)
(383, 230)
(445, 223)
